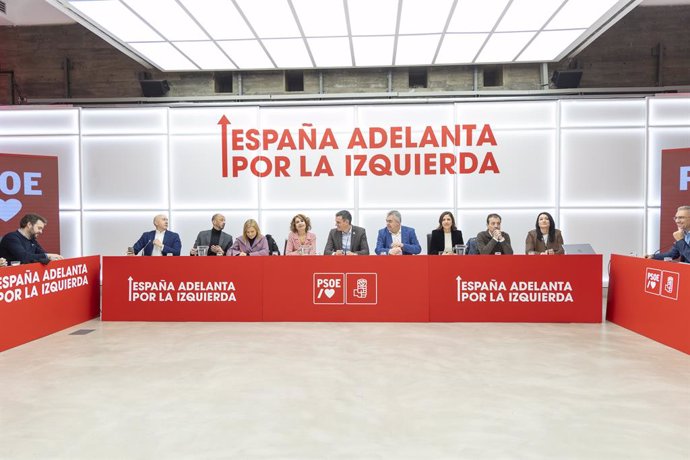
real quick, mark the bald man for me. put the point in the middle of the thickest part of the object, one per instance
(158, 242)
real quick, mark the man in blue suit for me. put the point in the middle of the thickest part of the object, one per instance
(397, 239)
(158, 242)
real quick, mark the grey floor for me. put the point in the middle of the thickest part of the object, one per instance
(344, 391)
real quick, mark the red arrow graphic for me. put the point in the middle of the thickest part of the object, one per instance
(224, 122)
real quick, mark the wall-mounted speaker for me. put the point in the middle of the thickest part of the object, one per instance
(566, 78)
(154, 88)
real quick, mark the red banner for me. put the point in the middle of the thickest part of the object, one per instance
(367, 288)
(29, 184)
(675, 183)
(651, 297)
(182, 288)
(37, 300)
(516, 288)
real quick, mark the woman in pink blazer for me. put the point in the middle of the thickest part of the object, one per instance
(251, 243)
(300, 241)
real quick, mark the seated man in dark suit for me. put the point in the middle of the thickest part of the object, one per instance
(158, 242)
(493, 240)
(396, 239)
(217, 241)
(21, 245)
(346, 239)
(681, 247)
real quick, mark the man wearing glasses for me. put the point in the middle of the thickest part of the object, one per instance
(681, 248)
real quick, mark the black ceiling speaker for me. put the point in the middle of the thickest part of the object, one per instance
(566, 78)
(154, 88)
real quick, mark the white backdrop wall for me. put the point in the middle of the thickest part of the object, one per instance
(594, 164)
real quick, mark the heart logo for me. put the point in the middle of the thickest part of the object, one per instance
(652, 284)
(329, 292)
(9, 208)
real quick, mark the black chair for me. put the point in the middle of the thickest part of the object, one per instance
(428, 243)
(272, 246)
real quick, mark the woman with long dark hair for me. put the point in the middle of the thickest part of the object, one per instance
(545, 238)
(446, 236)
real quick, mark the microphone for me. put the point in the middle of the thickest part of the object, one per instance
(141, 251)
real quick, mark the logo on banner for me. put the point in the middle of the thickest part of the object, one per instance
(345, 288)
(11, 183)
(662, 283)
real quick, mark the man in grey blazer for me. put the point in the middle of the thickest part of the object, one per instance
(216, 239)
(346, 239)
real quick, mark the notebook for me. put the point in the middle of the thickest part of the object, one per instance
(578, 249)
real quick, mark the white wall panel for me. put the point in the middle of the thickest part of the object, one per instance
(322, 191)
(66, 148)
(124, 121)
(205, 120)
(196, 180)
(508, 115)
(385, 116)
(110, 233)
(125, 172)
(70, 234)
(39, 122)
(609, 231)
(527, 160)
(339, 119)
(653, 219)
(662, 139)
(599, 114)
(602, 167)
(669, 111)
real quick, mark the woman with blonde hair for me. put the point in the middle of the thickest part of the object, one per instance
(300, 241)
(250, 243)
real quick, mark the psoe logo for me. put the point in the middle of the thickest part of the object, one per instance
(345, 288)
(663, 283)
(11, 184)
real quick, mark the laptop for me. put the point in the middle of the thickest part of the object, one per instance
(578, 249)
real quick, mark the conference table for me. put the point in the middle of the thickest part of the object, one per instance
(494, 288)
(37, 300)
(652, 298)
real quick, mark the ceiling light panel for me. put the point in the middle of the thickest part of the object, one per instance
(504, 47)
(580, 14)
(319, 21)
(219, 18)
(416, 49)
(524, 15)
(460, 48)
(423, 17)
(164, 56)
(247, 54)
(368, 17)
(118, 20)
(548, 45)
(207, 55)
(269, 34)
(373, 51)
(476, 15)
(168, 18)
(288, 53)
(331, 52)
(270, 18)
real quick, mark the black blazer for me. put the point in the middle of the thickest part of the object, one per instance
(438, 241)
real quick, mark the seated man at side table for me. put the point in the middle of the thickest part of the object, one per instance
(217, 241)
(493, 240)
(346, 239)
(158, 242)
(21, 245)
(396, 239)
(681, 248)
